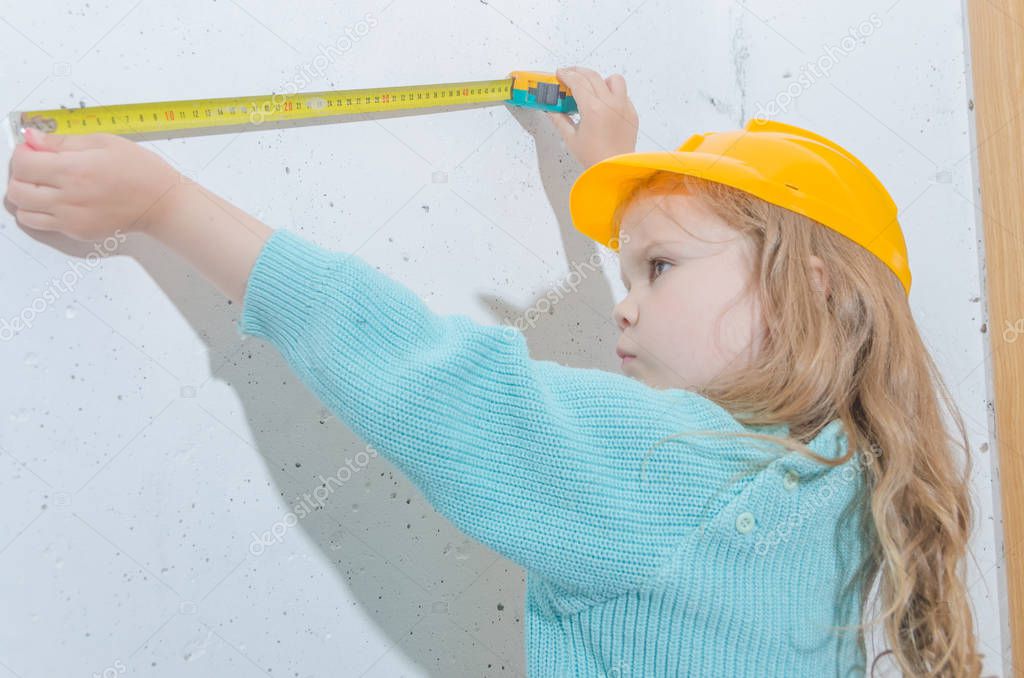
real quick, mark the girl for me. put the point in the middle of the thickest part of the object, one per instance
(774, 448)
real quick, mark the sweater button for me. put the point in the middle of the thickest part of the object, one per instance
(790, 480)
(745, 522)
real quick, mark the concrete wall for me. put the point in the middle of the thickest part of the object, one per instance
(143, 445)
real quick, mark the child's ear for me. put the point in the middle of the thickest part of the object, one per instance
(819, 274)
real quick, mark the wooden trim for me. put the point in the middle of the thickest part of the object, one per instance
(996, 35)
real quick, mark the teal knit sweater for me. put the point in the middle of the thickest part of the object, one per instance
(639, 562)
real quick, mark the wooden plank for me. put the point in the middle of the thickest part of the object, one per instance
(996, 32)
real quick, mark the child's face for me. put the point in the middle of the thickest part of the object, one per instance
(685, 316)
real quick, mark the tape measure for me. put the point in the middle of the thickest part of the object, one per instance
(522, 88)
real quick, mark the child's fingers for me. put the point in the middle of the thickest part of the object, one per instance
(40, 221)
(33, 167)
(596, 83)
(32, 197)
(582, 89)
(617, 85)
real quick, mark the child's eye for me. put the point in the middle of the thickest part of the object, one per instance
(653, 265)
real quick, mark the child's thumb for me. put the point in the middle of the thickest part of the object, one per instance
(563, 123)
(41, 141)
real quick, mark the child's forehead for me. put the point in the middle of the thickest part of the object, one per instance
(663, 218)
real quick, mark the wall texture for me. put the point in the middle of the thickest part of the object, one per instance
(159, 476)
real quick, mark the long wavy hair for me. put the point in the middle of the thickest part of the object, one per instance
(855, 354)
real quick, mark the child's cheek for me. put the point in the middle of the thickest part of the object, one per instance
(682, 317)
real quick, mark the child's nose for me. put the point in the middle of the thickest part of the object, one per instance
(625, 313)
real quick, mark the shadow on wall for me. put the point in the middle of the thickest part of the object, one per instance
(445, 601)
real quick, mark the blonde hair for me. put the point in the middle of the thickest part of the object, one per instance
(856, 355)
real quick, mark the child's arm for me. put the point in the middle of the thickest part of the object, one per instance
(542, 462)
(106, 183)
(220, 240)
(94, 185)
(545, 463)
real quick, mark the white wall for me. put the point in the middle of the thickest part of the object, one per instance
(143, 443)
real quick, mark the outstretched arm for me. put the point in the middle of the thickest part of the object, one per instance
(555, 467)
(220, 240)
(552, 466)
(93, 185)
(88, 186)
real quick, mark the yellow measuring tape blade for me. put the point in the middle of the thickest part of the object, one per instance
(194, 114)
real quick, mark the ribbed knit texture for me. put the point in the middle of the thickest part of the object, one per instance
(680, 566)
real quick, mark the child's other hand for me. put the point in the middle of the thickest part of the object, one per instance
(608, 121)
(87, 186)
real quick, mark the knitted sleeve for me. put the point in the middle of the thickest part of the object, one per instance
(546, 464)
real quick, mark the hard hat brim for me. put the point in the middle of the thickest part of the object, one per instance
(602, 186)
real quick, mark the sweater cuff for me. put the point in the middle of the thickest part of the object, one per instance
(284, 287)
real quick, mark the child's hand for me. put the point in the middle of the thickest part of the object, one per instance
(87, 187)
(608, 121)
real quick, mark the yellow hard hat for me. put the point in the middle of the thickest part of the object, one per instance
(779, 163)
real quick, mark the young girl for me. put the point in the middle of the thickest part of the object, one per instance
(774, 448)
